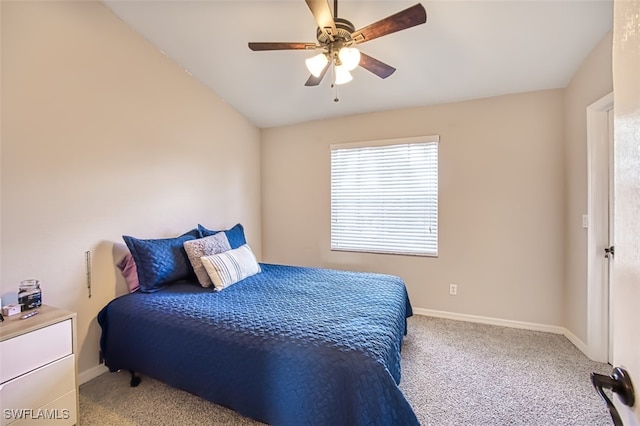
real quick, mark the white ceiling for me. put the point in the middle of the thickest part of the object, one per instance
(466, 50)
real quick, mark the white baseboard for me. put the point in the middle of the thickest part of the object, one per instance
(505, 323)
(92, 373)
(576, 342)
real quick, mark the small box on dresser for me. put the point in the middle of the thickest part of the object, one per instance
(38, 370)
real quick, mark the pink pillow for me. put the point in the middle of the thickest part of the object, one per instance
(129, 271)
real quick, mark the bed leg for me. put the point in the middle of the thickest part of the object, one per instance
(135, 380)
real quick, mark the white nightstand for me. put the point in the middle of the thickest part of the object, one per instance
(38, 371)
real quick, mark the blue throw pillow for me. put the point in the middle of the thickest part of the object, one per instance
(235, 235)
(160, 261)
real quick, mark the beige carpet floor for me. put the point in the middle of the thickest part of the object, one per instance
(453, 373)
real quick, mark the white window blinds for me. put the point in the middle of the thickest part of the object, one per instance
(384, 196)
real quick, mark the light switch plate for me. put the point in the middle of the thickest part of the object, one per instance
(585, 221)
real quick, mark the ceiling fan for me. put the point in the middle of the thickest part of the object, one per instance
(337, 38)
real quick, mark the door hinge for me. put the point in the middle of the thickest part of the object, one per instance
(609, 251)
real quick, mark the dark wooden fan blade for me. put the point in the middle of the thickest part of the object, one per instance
(380, 69)
(313, 80)
(281, 46)
(322, 13)
(415, 15)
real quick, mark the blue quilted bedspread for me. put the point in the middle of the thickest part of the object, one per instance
(288, 346)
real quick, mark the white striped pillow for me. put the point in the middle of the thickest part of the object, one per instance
(231, 266)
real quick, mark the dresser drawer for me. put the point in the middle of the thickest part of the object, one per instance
(61, 412)
(29, 351)
(38, 388)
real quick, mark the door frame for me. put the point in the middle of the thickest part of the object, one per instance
(598, 316)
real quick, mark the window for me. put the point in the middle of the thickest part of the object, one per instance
(384, 196)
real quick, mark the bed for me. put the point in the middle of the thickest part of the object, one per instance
(287, 346)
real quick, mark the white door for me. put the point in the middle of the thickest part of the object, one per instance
(626, 284)
(609, 252)
(599, 225)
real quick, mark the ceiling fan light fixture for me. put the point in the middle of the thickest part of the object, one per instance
(336, 38)
(316, 64)
(342, 75)
(350, 57)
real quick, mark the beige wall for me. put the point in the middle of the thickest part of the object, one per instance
(591, 82)
(102, 135)
(626, 277)
(501, 203)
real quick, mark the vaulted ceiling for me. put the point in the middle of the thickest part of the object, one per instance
(466, 50)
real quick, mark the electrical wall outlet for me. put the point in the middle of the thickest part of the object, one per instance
(453, 289)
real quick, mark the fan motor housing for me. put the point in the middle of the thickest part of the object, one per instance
(344, 27)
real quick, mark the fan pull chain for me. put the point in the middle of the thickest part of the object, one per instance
(333, 84)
